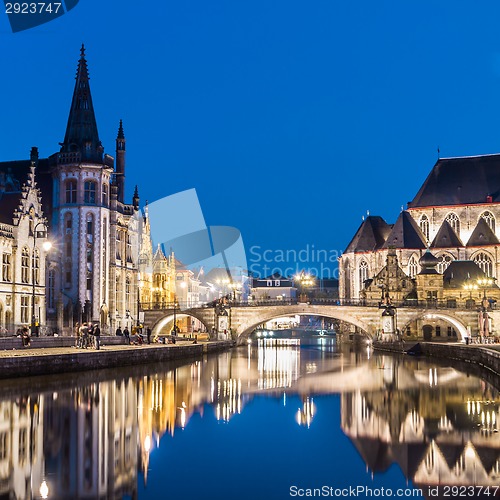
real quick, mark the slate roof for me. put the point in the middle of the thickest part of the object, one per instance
(370, 236)
(482, 235)
(446, 237)
(405, 234)
(461, 271)
(459, 181)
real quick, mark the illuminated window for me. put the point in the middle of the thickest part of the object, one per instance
(36, 266)
(412, 267)
(485, 263)
(444, 262)
(490, 219)
(25, 265)
(6, 267)
(454, 222)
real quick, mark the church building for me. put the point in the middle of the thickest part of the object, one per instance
(444, 247)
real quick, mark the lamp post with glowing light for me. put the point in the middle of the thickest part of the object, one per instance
(47, 245)
(485, 283)
(303, 281)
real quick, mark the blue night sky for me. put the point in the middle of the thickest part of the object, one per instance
(291, 119)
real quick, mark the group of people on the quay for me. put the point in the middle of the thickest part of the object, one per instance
(137, 337)
(88, 335)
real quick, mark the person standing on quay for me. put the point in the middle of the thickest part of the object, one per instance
(127, 335)
(97, 336)
(148, 333)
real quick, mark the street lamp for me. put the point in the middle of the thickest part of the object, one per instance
(304, 281)
(47, 245)
(174, 329)
(235, 287)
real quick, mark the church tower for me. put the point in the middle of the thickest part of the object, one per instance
(82, 176)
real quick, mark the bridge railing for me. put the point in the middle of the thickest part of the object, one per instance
(423, 304)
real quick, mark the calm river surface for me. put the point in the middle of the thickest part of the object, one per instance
(258, 422)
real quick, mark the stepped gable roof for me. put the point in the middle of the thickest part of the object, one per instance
(446, 237)
(460, 272)
(461, 181)
(482, 235)
(405, 234)
(370, 235)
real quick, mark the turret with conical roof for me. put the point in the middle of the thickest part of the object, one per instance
(81, 141)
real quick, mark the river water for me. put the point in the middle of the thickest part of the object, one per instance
(269, 420)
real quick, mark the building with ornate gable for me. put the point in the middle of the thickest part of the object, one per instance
(23, 257)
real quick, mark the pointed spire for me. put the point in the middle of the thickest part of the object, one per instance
(81, 132)
(121, 134)
(135, 198)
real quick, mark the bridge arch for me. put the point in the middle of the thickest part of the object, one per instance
(461, 329)
(167, 318)
(245, 328)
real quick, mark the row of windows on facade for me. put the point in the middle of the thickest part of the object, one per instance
(27, 272)
(454, 222)
(483, 260)
(89, 192)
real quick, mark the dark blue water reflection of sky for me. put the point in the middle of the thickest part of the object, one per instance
(260, 453)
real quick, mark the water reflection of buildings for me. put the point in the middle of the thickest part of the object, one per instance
(442, 431)
(21, 451)
(89, 441)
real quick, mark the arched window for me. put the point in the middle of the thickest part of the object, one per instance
(363, 273)
(71, 191)
(89, 193)
(454, 222)
(444, 261)
(412, 267)
(36, 266)
(485, 263)
(424, 226)
(25, 265)
(490, 219)
(105, 195)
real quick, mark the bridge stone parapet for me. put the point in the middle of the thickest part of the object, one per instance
(244, 319)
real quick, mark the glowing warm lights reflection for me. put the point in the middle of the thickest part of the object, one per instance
(306, 414)
(44, 490)
(147, 444)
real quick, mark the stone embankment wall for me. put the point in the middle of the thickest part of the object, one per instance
(27, 362)
(479, 355)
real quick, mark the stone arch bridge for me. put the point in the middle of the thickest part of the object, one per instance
(243, 319)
